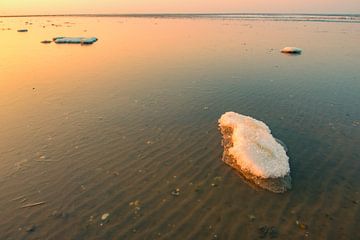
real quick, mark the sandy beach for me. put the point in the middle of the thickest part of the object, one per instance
(119, 139)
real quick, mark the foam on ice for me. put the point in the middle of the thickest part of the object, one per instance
(80, 40)
(252, 147)
(293, 50)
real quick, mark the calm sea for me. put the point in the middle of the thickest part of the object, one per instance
(119, 126)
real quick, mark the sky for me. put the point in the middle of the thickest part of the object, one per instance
(14, 7)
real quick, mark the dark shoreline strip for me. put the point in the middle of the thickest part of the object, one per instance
(298, 17)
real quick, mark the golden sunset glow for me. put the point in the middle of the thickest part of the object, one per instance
(9, 7)
(179, 119)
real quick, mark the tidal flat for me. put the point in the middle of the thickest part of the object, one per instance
(120, 140)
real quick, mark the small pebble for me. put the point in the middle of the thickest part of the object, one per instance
(58, 214)
(301, 225)
(134, 203)
(356, 123)
(176, 192)
(263, 231)
(218, 178)
(105, 216)
(31, 228)
(252, 217)
(273, 232)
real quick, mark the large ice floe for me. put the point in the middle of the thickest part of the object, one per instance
(250, 148)
(80, 40)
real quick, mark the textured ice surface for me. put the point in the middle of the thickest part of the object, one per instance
(81, 40)
(250, 148)
(293, 50)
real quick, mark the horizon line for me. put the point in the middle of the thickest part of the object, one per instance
(172, 14)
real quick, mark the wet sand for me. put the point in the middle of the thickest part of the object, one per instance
(118, 126)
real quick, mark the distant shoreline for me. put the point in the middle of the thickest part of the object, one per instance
(182, 14)
(297, 17)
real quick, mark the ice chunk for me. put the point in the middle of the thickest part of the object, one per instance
(292, 50)
(80, 40)
(250, 148)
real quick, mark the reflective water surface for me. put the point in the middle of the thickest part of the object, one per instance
(128, 126)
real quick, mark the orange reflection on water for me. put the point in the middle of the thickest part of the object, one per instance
(130, 50)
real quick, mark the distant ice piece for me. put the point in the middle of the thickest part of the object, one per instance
(250, 148)
(79, 40)
(292, 50)
(22, 30)
(46, 41)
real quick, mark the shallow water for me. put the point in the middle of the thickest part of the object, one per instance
(117, 126)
